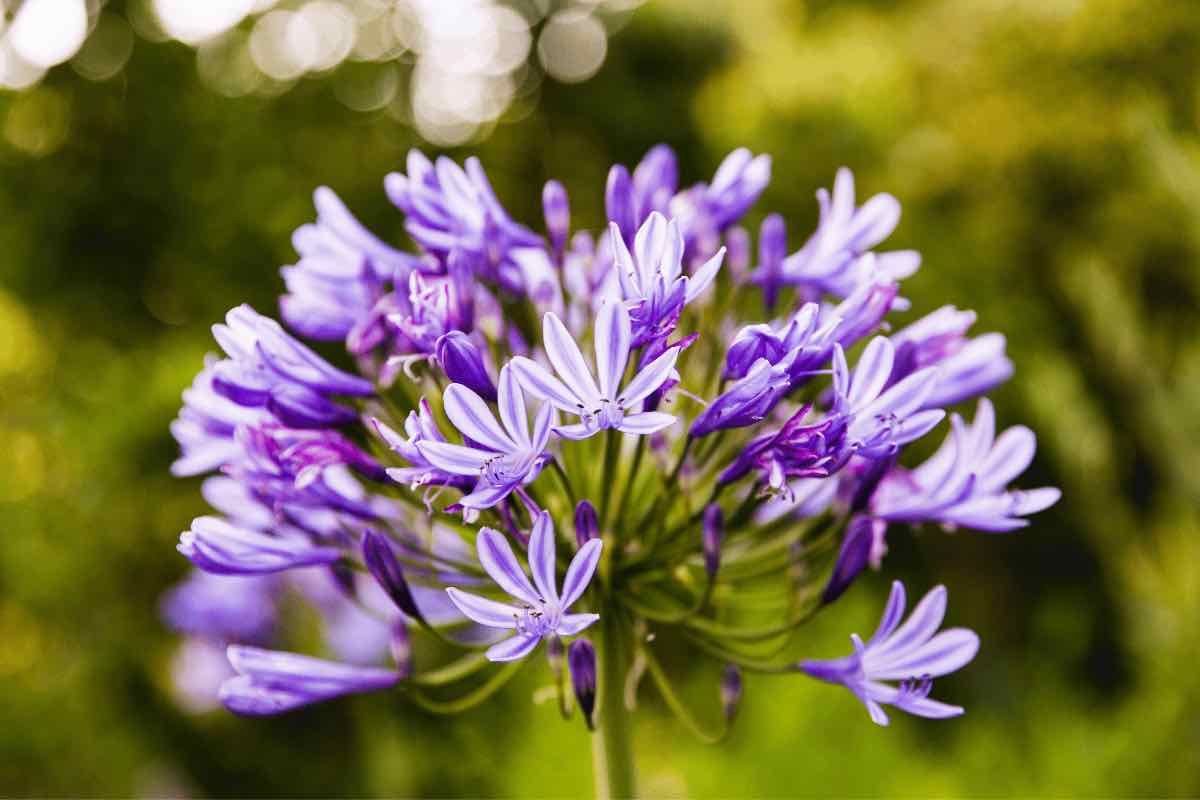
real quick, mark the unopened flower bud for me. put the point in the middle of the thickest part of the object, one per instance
(587, 524)
(731, 691)
(618, 201)
(555, 654)
(714, 532)
(382, 563)
(463, 363)
(581, 658)
(558, 214)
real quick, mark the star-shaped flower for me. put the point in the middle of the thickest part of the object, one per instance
(606, 405)
(539, 611)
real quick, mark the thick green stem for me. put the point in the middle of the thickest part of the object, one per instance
(612, 743)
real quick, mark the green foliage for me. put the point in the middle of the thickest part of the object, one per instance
(1047, 154)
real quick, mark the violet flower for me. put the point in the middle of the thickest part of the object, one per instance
(772, 250)
(969, 367)
(419, 426)
(435, 305)
(540, 611)
(964, 484)
(463, 363)
(449, 208)
(607, 406)
(340, 273)
(705, 210)
(910, 653)
(222, 607)
(214, 545)
(206, 423)
(651, 278)
(830, 261)
(502, 457)
(267, 367)
(272, 681)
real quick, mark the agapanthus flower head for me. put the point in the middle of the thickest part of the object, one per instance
(913, 653)
(414, 496)
(539, 610)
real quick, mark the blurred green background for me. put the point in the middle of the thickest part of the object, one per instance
(1047, 153)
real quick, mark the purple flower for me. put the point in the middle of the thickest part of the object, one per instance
(215, 545)
(340, 273)
(964, 483)
(462, 362)
(385, 569)
(501, 457)
(449, 208)
(539, 611)
(222, 607)
(606, 406)
(651, 278)
(865, 421)
(206, 424)
(831, 260)
(748, 401)
(267, 367)
(705, 210)
(731, 691)
(435, 306)
(969, 367)
(272, 681)
(419, 427)
(910, 653)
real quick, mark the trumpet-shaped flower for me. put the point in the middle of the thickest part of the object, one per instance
(651, 278)
(965, 483)
(607, 405)
(502, 457)
(540, 609)
(215, 546)
(913, 653)
(273, 681)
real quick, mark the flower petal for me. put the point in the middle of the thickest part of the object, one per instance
(645, 423)
(541, 383)
(512, 407)
(484, 611)
(871, 373)
(567, 360)
(892, 613)
(613, 333)
(572, 624)
(474, 420)
(649, 378)
(950, 650)
(580, 572)
(700, 280)
(513, 648)
(917, 629)
(497, 559)
(456, 458)
(541, 554)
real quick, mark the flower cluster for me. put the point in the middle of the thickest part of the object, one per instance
(535, 437)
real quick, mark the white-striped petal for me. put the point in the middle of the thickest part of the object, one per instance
(471, 416)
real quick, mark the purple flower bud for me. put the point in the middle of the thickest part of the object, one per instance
(587, 524)
(731, 691)
(714, 532)
(463, 363)
(558, 215)
(864, 538)
(772, 250)
(272, 681)
(555, 654)
(299, 407)
(618, 201)
(737, 252)
(382, 563)
(581, 658)
(401, 647)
